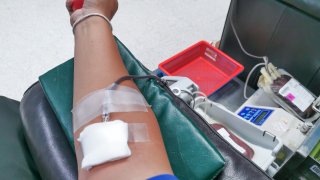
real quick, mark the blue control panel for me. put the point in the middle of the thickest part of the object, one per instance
(255, 115)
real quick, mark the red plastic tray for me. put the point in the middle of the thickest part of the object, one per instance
(204, 64)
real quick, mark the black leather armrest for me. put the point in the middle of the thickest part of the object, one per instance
(48, 144)
(311, 7)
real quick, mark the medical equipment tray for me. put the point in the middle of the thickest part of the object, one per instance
(204, 64)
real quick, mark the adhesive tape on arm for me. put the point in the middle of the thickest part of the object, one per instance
(104, 142)
(114, 98)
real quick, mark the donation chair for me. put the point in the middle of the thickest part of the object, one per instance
(35, 143)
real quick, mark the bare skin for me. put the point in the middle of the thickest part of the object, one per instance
(97, 65)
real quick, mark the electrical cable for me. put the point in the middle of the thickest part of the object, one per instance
(191, 95)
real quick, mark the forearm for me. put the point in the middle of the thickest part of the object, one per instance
(97, 65)
(97, 61)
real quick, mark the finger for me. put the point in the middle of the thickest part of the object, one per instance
(115, 9)
(69, 6)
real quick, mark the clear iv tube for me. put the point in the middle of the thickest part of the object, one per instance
(247, 79)
(204, 100)
(264, 58)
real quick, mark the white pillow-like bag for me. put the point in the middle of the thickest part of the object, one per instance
(104, 142)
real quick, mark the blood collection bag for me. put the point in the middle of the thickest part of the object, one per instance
(289, 93)
(297, 97)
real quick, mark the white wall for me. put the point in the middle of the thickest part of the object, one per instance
(35, 36)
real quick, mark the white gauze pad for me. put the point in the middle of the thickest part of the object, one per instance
(104, 142)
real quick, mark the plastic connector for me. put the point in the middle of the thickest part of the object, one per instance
(265, 79)
(274, 71)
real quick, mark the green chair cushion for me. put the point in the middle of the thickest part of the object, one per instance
(190, 153)
(15, 159)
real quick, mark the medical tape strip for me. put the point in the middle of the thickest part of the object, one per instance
(115, 98)
(88, 108)
(138, 132)
(123, 101)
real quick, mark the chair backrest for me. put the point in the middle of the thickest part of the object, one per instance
(287, 31)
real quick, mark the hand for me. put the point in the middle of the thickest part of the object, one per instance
(106, 7)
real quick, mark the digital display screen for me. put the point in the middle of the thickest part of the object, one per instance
(260, 117)
(255, 115)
